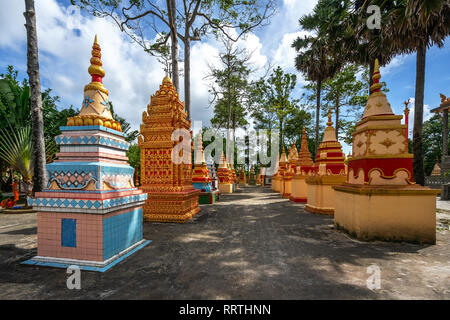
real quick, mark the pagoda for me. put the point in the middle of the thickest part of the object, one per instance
(261, 176)
(213, 175)
(90, 214)
(273, 178)
(329, 171)
(172, 197)
(224, 175)
(251, 176)
(436, 169)
(380, 200)
(289, 173)
(278, 178)
(304, 169)
(234, 178)
(201, 179)
(242, 177)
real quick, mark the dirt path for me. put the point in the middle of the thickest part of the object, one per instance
(250, 245)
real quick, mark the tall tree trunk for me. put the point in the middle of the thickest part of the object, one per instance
(336, 125)
(418, 169)
(171, 5)
(444, 135)
(187, 73)
(40, 175)
(319, 90)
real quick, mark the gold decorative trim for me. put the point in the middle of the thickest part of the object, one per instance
(386, 156)
(385, 190)
(381, 117)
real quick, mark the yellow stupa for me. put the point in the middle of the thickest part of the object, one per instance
(304, 168)
(286, 187)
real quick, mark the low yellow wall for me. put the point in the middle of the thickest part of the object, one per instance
(287, 188)
(387, 213)
(225, 188)
(299, 189)
(276, 184)
(320, 193)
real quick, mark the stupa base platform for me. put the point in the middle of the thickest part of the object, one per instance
(276, 184)
(299, 190)
(208, 197)
(320, 193)
(387, 213)
(319, 210)
(176, 207)
(99, 266)
(301, 200)
(225, 188)
(287, 188)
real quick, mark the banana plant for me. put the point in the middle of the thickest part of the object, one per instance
(16, 149)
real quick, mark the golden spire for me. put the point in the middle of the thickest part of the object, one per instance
(376, 86)
(167, 79)
(95, 69)
(283, 158)
(329, 123)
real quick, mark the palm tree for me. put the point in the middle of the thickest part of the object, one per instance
(315, 59)
(40, 175)
(414, 26)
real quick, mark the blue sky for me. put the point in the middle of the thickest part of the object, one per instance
(132, 76)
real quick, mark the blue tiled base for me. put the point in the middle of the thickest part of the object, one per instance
(87, 267)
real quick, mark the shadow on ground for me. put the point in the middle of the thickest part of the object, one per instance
(250, 245)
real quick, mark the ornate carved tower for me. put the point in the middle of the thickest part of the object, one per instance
(171, 195)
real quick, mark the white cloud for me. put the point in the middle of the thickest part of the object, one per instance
(65, 40)
(132, 76)
(12, 24)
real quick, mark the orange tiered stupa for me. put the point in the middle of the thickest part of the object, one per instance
(242, 177)
(172, 197)
(305, 168)
(329, 171)
(251, 176)
(380, 199)
(224, 175)
(286, 188)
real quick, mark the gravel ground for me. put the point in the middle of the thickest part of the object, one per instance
(250, 245)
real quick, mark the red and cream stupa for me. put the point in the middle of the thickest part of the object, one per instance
(329, 171)
(379, 199)
(304, 169)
